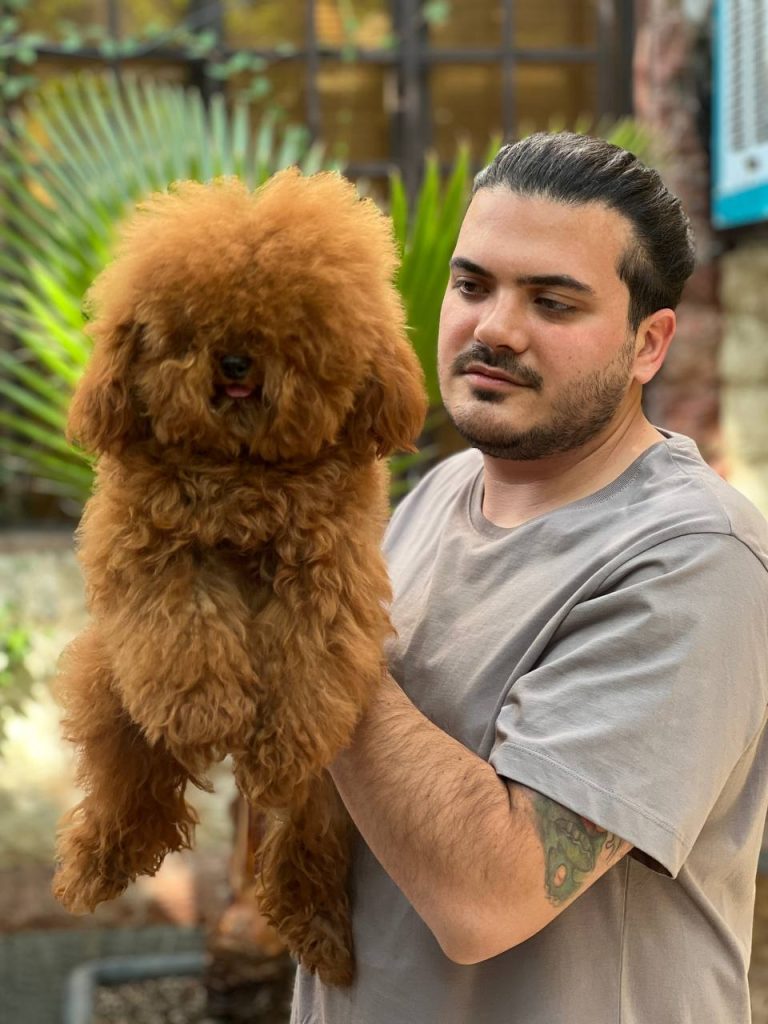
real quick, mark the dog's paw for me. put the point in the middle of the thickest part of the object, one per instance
(97, 860)
(326, 950)
(79, 888)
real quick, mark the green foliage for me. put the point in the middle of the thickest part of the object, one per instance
(106, 146)
(181, 34)
(426, 233)
(18, 50)
(436, 12)
(15, 679)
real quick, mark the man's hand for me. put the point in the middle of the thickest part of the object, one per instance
(486, 863)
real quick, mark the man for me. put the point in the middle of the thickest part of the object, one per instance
(561, 790)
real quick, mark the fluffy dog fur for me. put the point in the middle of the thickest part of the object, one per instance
(250, 370)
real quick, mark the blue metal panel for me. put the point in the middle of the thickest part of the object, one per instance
(740, 112)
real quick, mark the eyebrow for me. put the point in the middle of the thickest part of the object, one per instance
(537, 280)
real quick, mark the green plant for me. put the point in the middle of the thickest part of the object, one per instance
(15, 678)
(187, 39)
(107, 145)
(426, 233)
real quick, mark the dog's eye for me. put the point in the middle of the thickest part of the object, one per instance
(176, 343)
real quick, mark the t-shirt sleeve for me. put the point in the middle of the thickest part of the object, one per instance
(648, 695)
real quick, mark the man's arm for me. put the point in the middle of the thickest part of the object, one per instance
(484, 862)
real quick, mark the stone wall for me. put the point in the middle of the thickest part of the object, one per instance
(744, 367)
(714, 385)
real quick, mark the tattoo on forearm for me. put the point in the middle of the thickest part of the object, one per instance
(572, 845)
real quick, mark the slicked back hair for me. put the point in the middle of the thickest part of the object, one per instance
(577, 169)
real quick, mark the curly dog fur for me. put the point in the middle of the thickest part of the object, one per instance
(250, 370)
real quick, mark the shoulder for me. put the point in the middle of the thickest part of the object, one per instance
(739, 517)
(672, 500)
(437, 494)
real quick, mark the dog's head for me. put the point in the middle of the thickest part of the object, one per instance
(263, 323)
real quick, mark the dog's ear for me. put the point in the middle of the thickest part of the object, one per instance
(102, 415)
(390, 409)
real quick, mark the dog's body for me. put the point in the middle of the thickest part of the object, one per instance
(231, 550)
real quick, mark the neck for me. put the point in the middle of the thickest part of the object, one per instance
(516, 491)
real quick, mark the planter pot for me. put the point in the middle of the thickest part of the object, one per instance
(36, 965)
(79, 999)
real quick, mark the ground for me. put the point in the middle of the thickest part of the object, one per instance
(193, 888)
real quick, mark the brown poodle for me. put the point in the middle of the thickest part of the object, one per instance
(250, 370)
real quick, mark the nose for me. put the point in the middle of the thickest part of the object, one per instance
(501, 325)
(235, 367)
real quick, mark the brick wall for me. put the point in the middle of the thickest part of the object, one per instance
(668, 75)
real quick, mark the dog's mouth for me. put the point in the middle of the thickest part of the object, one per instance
(238, 391)
(231, 394)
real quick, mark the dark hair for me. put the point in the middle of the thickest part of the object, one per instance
(578, 169)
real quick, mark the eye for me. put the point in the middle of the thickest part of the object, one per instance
(554, 305)
(469, 288)
(176, 342)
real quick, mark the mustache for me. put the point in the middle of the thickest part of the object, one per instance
(501, 359)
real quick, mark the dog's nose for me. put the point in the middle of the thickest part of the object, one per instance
(235, 367)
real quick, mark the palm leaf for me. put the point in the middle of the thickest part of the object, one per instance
(426, 240)
(69, 479)
(33, 381)
(34, 431)
(24, 399)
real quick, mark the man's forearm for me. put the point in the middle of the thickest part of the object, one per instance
(436, 816)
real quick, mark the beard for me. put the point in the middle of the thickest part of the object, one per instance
(578, 413)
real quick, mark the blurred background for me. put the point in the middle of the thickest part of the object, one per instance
(105, 101)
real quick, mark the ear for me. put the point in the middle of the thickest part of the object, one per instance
(390, 410)
(653, 340)
(102, 415)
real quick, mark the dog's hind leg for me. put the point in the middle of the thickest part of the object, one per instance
(134, 811)
(303, 883)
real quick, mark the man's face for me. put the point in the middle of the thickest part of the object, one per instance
(535, 354)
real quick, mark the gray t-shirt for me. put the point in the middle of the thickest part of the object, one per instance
(611, 655)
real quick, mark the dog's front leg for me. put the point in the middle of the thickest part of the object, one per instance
(134, 811)
(182, 654)
(319, 655)
(332, 617)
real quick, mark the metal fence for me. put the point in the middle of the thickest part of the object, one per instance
(409, 63)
